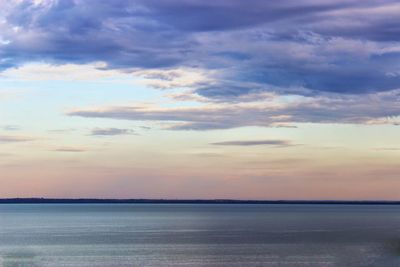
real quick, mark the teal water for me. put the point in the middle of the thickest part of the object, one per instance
(198, 235)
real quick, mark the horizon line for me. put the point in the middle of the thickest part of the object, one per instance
(42, 200)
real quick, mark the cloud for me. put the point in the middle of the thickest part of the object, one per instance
(80, 32)
(275, 143)
(378, 108)
(14, 139)
(65, 72)
(307, 46)
(173, 78)
(10, 127)
(224, 15)
(70, 149)
(111, 132)
(388, 148)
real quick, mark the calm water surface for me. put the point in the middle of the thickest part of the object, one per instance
(199, 235)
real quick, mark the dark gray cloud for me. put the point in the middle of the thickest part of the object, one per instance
(275, 143)
(111, 132)
(306, 47)
(223, 15)
(81, 32)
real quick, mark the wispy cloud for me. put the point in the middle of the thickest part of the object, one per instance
(14, 139)
(387, 148)
(378, 108)
(10, 127)
(57, 72)
(111, 132)
(70, 149)
(275, 143)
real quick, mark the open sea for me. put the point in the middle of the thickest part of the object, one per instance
(214, 235)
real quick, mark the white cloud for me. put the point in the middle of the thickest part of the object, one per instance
(67, 72)
(174, 78)
(155, 78)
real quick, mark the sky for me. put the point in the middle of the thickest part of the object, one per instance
(222, 99)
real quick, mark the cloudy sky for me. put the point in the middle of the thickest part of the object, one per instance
(200, 99)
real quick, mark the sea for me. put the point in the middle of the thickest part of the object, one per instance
(226, 235)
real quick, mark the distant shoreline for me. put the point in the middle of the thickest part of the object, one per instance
(187, 201)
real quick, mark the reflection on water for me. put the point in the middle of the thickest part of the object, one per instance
(199, 235)
(18, 258)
